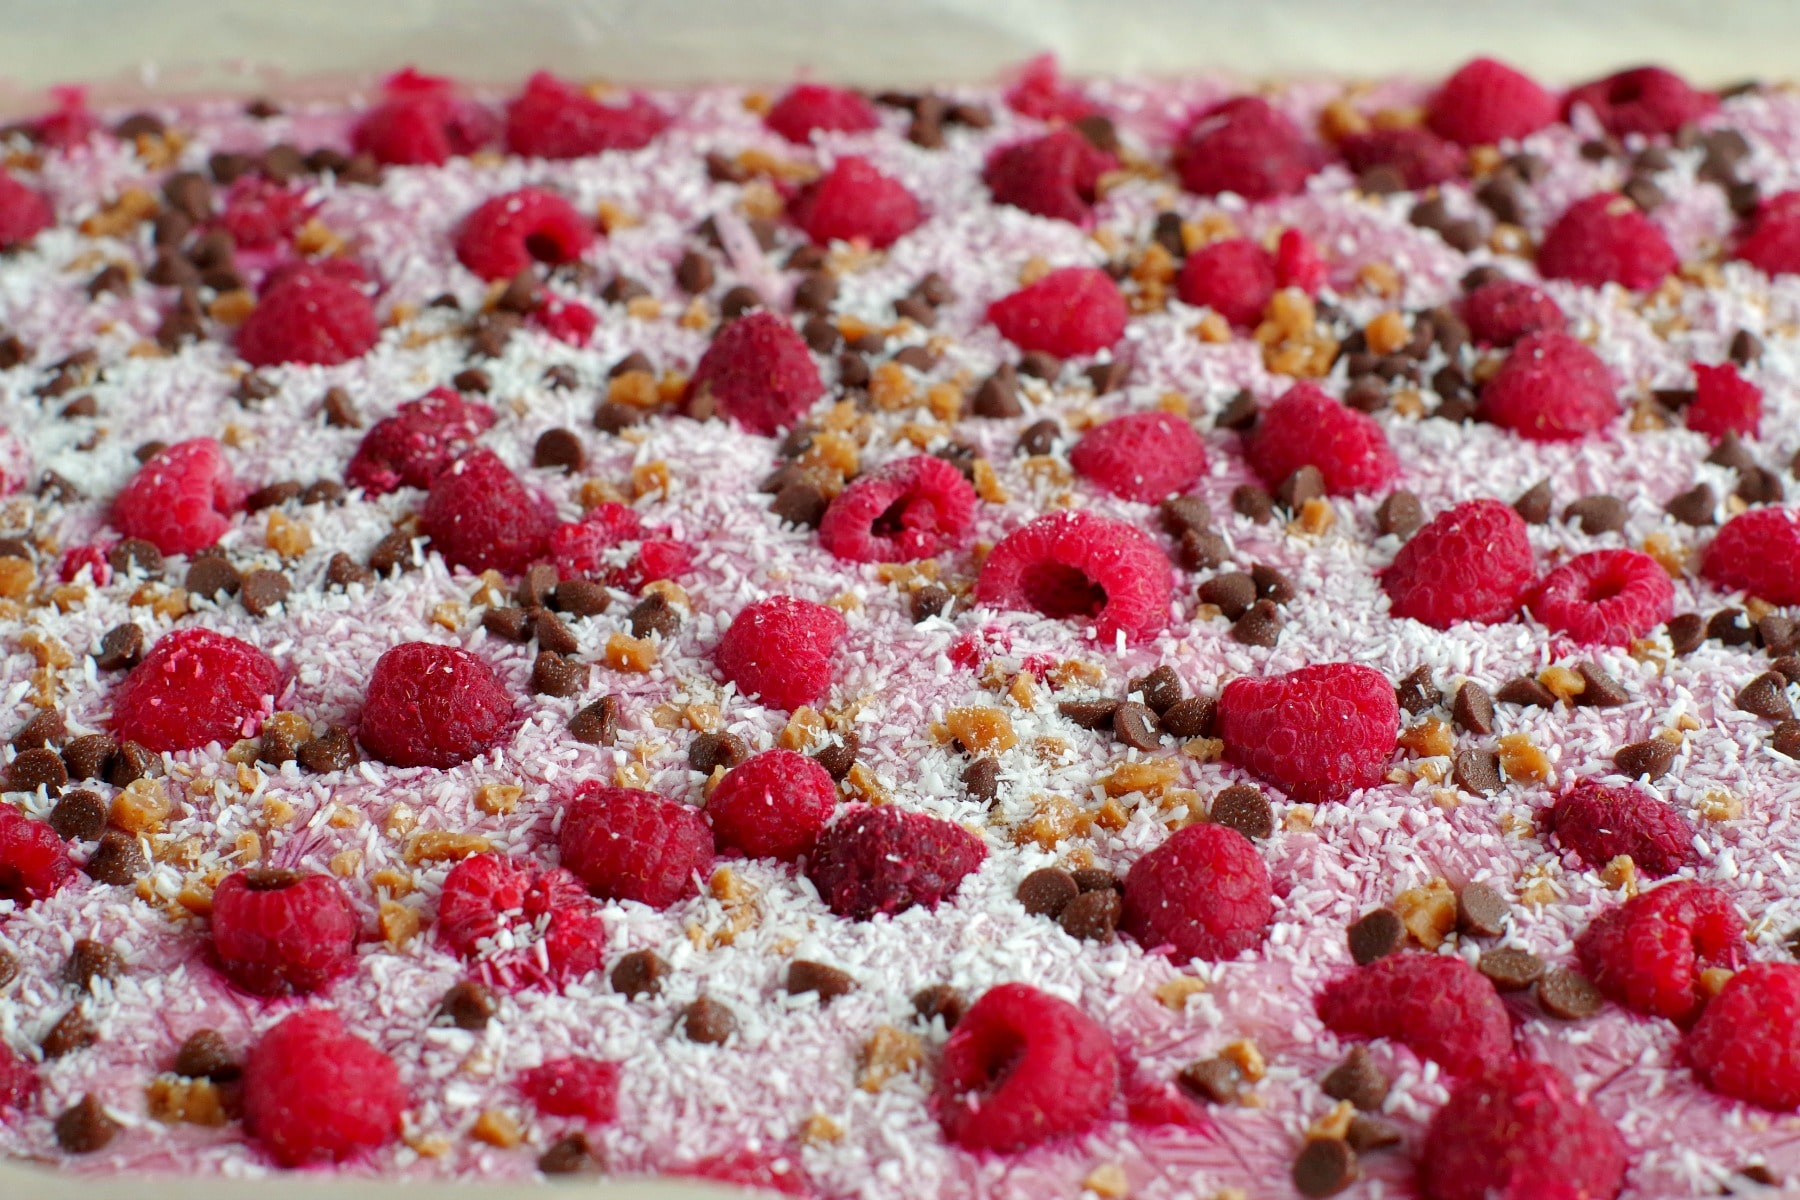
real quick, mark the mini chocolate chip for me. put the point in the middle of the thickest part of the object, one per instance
(1200, 550)
(210, 574)
(1189, 718)
(981, 780)
(80, 406)
(1502, 196)
(827, 982)
(279, 746)
(1645, 760)
(551, 634)
(1510, 969)
(1107, 376)
(1136, 725)
(91, 960)
(1417, 693)
(1686, 632)
(940, 1001)
(117, 860)
(569, 1155)
(822, 336)
(1271, 584)
(1786, 739)
(1534, 503)
(1746, 348)
(929, 601)
(1160, 689)
(581, 597)
(654, 614)
(45, 728)
(739, 300)
(1788, 665)
(1596, 514)
(1357, 1079)
(1245, 809)
(1040, 365)
(598, 723)
(342, 571)
(263, 590)
(1366, 1133)
(1743, 198)
(73, 1031)
(1261, 626)
(711, 750)
(1400, 514)
(41, 767)
(818, 290)
(1756, 1173)
(559, 449)
(1095, 879)
(1758, 485)
(129, 763)
(489, 333)
(1481, 910)
(694, 273)
(111, 279)
(838, 757)
(1231, 592)
(472, 379)
(1374, 935)
(522, 294)
(1324, 1167)
(1183, 514)
(1765, 696)
(640, 973)
(554, 675)
(189, 193)
(1568, 996)
(919, 358)
(84, 1127)
(1694, 506)
(1599, 689)
(1307, 483)
(1527, 692)
(130, 555)
(1731, 626)
(1215, 1080)
(1779, 635)
(853, 369)
(1248, 500)
(507, 624)
(1477, 771)
(998, 395)
(79, 816)
(205, 1055)
(1092, 916)
(330, 751)
(1047, 891)
(1643, 191)
(468, 1004)
(800, 504)
(273, 495)
(86, 756)
(707, 1021)
(535, 587)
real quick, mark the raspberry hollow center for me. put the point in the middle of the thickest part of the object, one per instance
(1060, 591)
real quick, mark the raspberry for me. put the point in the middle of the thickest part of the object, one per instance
(778, 1173)
(1757, 552)
(277, 932)
(194, 687)
(70, 124)
(1142, 456)
(1234, 277)
(595, 547)
(631, 845)
(1023, 1067)
(1551, 388)
(1605, 597)
(1318, 732)
(313, 318)
(1069, 312)
(1649, 952)
(772, 806)
(1080, 564)
(18, 1082)
(507, 234)
(316, 1093)
(1486, 101)
(757, 372)
(15, 463)
(1056, 175)
(526, 925)
(584, 1088)
(1606, 239)
(657, 558)
(347, 270)
(1744, 1045)
(886, 860)
(1771, 239)
(24, 213)
(261, 215)
(1248, 147)
(1298, 263)
(1520, 1132)
(910, 508)
(1436, 1005)
(432, 706)
(1642, 100)
(1472, 563)
(1156, 1103)
(553, 119)
(809, 106)
(1501, 312)
(1420, 157)
(1039, 93)
(568, 321)
(1305, 427)
(478, 515)
(421, 123)
(1204, 893)
(422, 438)
(181, 500)
(1600, 822)
(33, 861)
(779, 650)
(1724, 402)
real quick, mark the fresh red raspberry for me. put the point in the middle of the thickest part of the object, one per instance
(260, 214)
(1318, 732)
(1605, 597)
(524, 925)
(1419, 156)
(766, 1171)
(1040, 93)
(1649, 952)
(1156, 1103)
(277, 932)
(1245, 146)
(507, 234)
(656, 558)
(586, 1089)
(1069, 312)
(1486, 101)
(631, 845)
(1056, 175)
(432, 706)
(1080, 564)
(194, 687)
(316, 1093)
(1770, 242)
(1599, 822)
(568, 321)
(70, 124)
(24, 213)
(577, 547)
(1023, 1067)
(553, 119)
(809, 106)
(779, 650)
(18, 1082)
(1305, 427)
(1520, 1132)
(1647, 100)
(34, 863)
(480, 516)
(1298, 263)
(1471, 563)
(1744, 1045)
(757, 372)
(313, 318)
(1141, 456)
(773, 805)
(423, 437)
(1436, 1005)
(1606, 239)
(1724, 402)
(1502, 311)
(1757, 552)
(910, 508)
(346, 270)
(1234, 277)
(181, 500)
(1551, 388)
(1204, 893)
(886, 860)
(420, 122)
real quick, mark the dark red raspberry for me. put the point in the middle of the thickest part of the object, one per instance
(631, 845)
(1757, 552)
(422, 438)
(1204, 893)
(1648, 953)
(1298, 263)
(1551, 388)
(1305, 427)
(420, 122)
(910, 508)
(1246, 146)
(507, 234)
(260, 214)
(24, 213)
(1771, 239)
(1420, 157)
(1318, 732)
(1724, 402)
(316, 1093)
(773, 805)
(1082, 565)
(1040, 93)
(1605, 597)
(873, 861)
(1520, 1132)
(181, 500)
(1744, 1045)
(18, 1082)
(780, 650)
(1502, 311)
(1436, 1005)
(480, 516)
(1056, 175)
(523, 924)
(278, 932)
(194, 687)
(1069, 312)
(1472, 563)
(1486, 101)
(586, 1089)
(1234, 277)
(1599, 822)
(566, 320)
(432, 706)
(1141, 456)
(313, 318)
(1642, 100)
(70, 124)
(1606, 239)
(578, 548)
(34, 862)
(553, 119)
(757, 372)
(1023, 1067)
(809, 106)
(854, 202)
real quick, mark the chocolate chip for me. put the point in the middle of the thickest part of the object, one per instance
(263, 590)
(1686, 632)
(1765, 696)
(489, 333)
(73, 1031)
(1779, 635)
(981, 780)
(189, 193)
(1596, 514)
(1092, 916)
(1786, 739)
(1788, 665)
(1136, 725)
(551, 634)
(1643, 191)
(1568, 996)
(1357, 1079)
(1502, 196)
(117, 860)
(536, 586)
(1160, 689)
(1308, 483)
(1216, 1080)
(507, 624)
(1599, 689)
(822, 337)
(1417, 693)
(205, 1055)
(1731, 626)
(640, 973)
(800, 504)
(1183, 514)
(330, 751)
(654, 615)
(1743, 198)
(86, 756)
(135, 555)
(342, 571)
(1482, 910)
(581, 597)
(279, 746)
(1324, 1167)
(1374, 935)
(598, 723)
(569, 1155)
(1755, 1173)
(838, 757)
(1510, 969)
(1694, 506)
(853, 370)
(998, 395)
(1200, 550)
(1261, 626)
(1245, 809)
(1400, 514)
(37, 768)
(210, 575)
(80, 406)
(712, 750)
(1248, 500)
(1189, 718)
(1535, 503)
(560, 450)
(1108, 376)
(1758, 485)
(79, 816)
(1645, 760)
(694, 273)
(469, 1005)
(45, 728)
(554, 675)
(827, 982)
(129, 763)
(1232, 593)
(1746, 348)
(940, 1001)
(707, 1021)
(1477, 771)
(91, 960)
(84, 1127)
(818, 290)
(1525, 691)
(929, 601)
(1047, 891)
(739, 300)
(273, 495)
(1271, 584)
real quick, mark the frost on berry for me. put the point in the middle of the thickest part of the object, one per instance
(881, 860)
(520, 923)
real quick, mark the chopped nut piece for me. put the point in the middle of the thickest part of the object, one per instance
(444, 845)
(889, 1052)
(497, 799)
(1174, 993)
(399, 923)
(1521, 759)
(497, 1128)
(1108, 1181)
(1428, 739)
(141, 808)
(626, 653)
